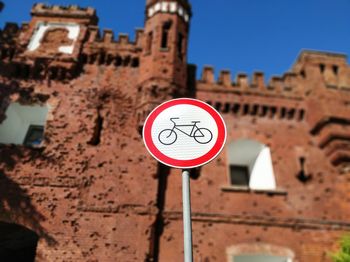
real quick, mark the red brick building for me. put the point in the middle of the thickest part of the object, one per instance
(76, 182)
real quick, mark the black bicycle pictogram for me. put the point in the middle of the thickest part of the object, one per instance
(200, 134)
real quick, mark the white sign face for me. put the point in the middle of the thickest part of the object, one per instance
(184, 133)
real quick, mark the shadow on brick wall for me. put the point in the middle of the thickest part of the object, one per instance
(15, 204)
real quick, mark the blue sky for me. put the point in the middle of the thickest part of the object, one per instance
(240, 35)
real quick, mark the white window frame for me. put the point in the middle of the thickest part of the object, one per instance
(256, 181)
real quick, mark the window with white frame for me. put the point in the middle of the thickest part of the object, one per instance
(259, 252)
(23, 124)
(250, 165)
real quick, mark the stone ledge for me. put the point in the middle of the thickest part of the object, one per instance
(277, 191)
(295, 223)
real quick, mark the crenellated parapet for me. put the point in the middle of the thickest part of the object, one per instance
(251, 97)
(287, 85)
(329, 70)
(87, 15)
(104, 49)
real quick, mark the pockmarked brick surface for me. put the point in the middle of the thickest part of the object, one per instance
(91, 191)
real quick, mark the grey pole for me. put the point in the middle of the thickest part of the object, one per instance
(186, 204)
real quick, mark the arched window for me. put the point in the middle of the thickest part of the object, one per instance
(250, 165)
(259, 253)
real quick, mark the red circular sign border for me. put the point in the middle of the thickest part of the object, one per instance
(213, 152)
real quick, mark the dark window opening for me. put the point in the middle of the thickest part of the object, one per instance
(302, 73)
(218, 106)
(335, 69)
(239, 175)
(301, 115)
(135, 62)
(62, 73)
(245, 109)
(102, 58)
(180, 40)
(226, 108)
(254, 110)
(126, 61)
(273, 111)
(290, 114)
(39, 70)
(236, 108)
(25, 71)
(322, 68)
(92, 58)
(118, 61)
(283, 112)
(264, 111)
(149, 43)
(109, 59)
(53, 71)
(96, 136)
(165, 34)
(34, 136)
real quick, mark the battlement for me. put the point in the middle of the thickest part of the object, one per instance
(104, 49)
(313, 56)
(107, 37)
(287, 85)
(181, 8)
(71, 11)
(331, 67)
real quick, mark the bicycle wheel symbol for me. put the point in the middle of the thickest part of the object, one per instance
(203, 135)
(167, 137)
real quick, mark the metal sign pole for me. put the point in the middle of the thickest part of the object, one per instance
(186, 204)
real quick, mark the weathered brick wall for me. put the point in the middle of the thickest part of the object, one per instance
(307, 217)
(90, 191)
(93, 193)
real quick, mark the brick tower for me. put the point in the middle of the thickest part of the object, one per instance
(163, 67)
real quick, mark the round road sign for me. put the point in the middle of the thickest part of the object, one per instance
(184, 133)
